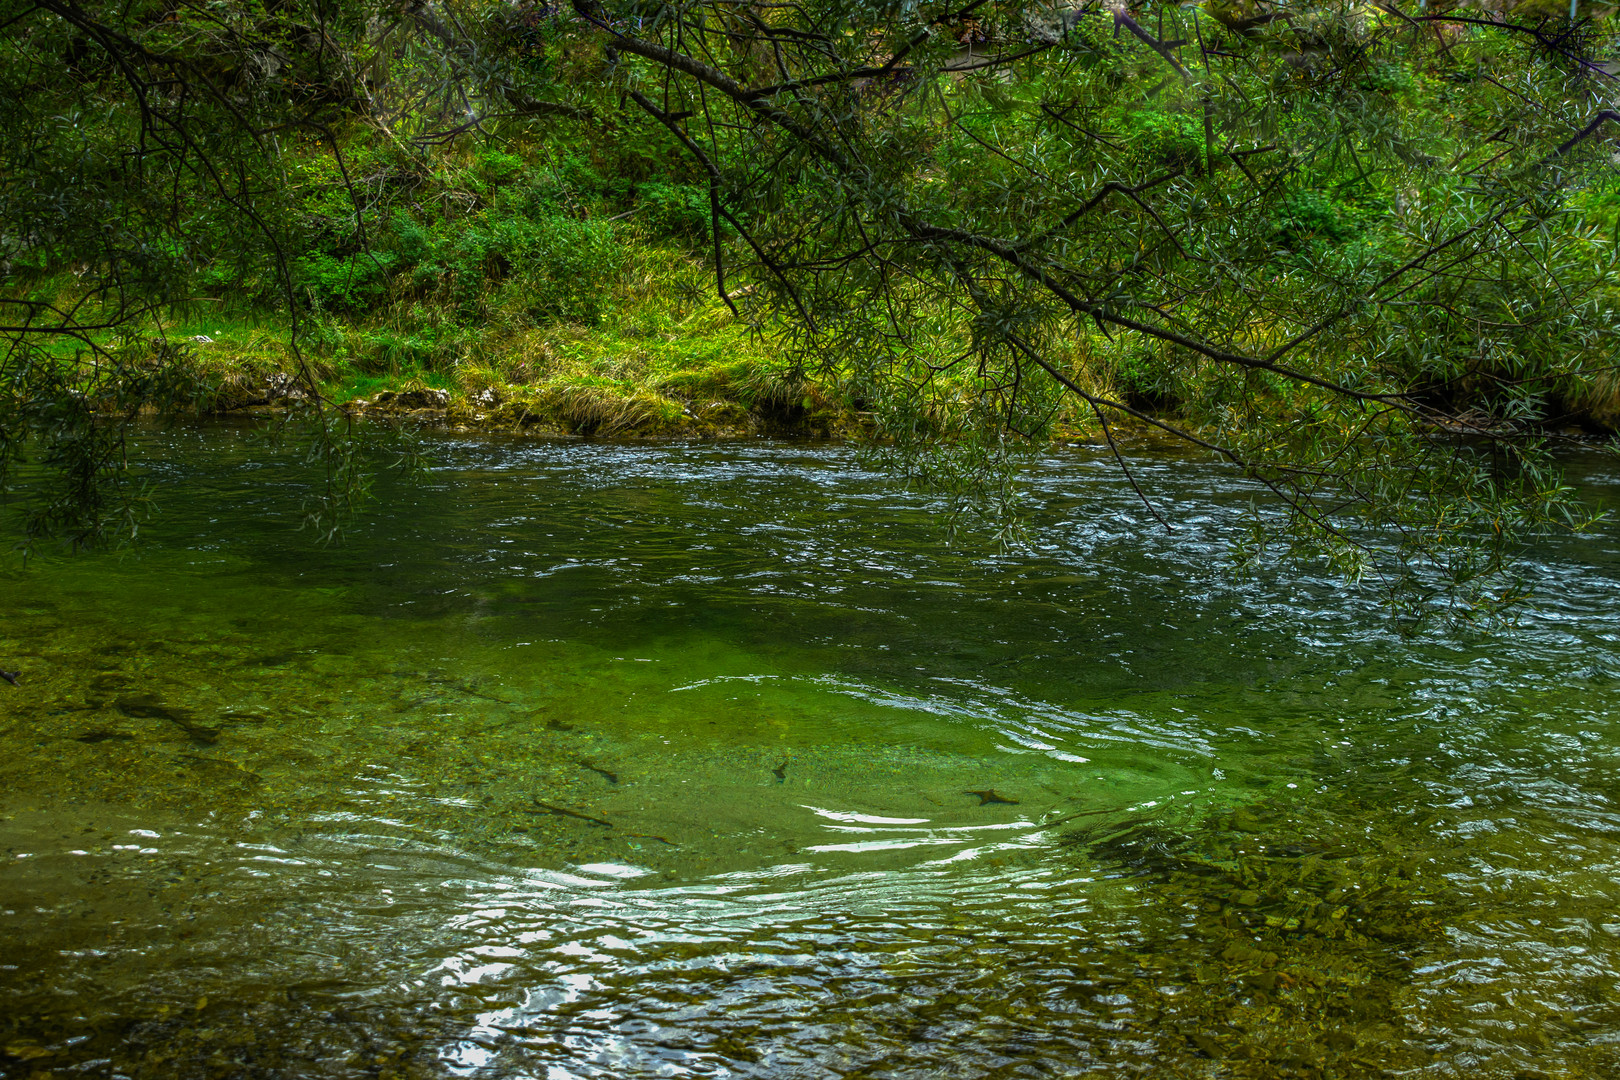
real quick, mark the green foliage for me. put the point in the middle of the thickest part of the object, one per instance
(680, 211)
(496, 167)
(1150, 382)
(1599, 207)
(1389, 76)
(343, 284)
(1162, 138)
(1305, 217)
(562, 268)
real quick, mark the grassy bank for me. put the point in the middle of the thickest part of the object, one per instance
(565, 288)
(663, 359)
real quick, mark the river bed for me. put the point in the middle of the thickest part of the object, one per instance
(716, 760)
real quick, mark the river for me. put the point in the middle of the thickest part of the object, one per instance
(716, 760)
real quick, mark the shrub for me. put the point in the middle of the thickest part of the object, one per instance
(675, 210)
(1304, 217)
(344, 284)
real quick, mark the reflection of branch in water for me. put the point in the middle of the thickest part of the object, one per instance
(988, 797)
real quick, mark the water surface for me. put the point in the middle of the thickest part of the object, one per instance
(715, 760)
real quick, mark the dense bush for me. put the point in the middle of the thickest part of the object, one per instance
(344, 284)
(675, 210)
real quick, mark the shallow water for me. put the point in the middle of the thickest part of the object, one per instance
(621, 761)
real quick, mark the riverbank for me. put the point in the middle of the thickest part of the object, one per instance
(731, 400)
(666, 358)
(744, 398)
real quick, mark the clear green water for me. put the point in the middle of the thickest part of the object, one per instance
(270, 810)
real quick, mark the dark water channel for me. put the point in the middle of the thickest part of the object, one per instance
(634, 761)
